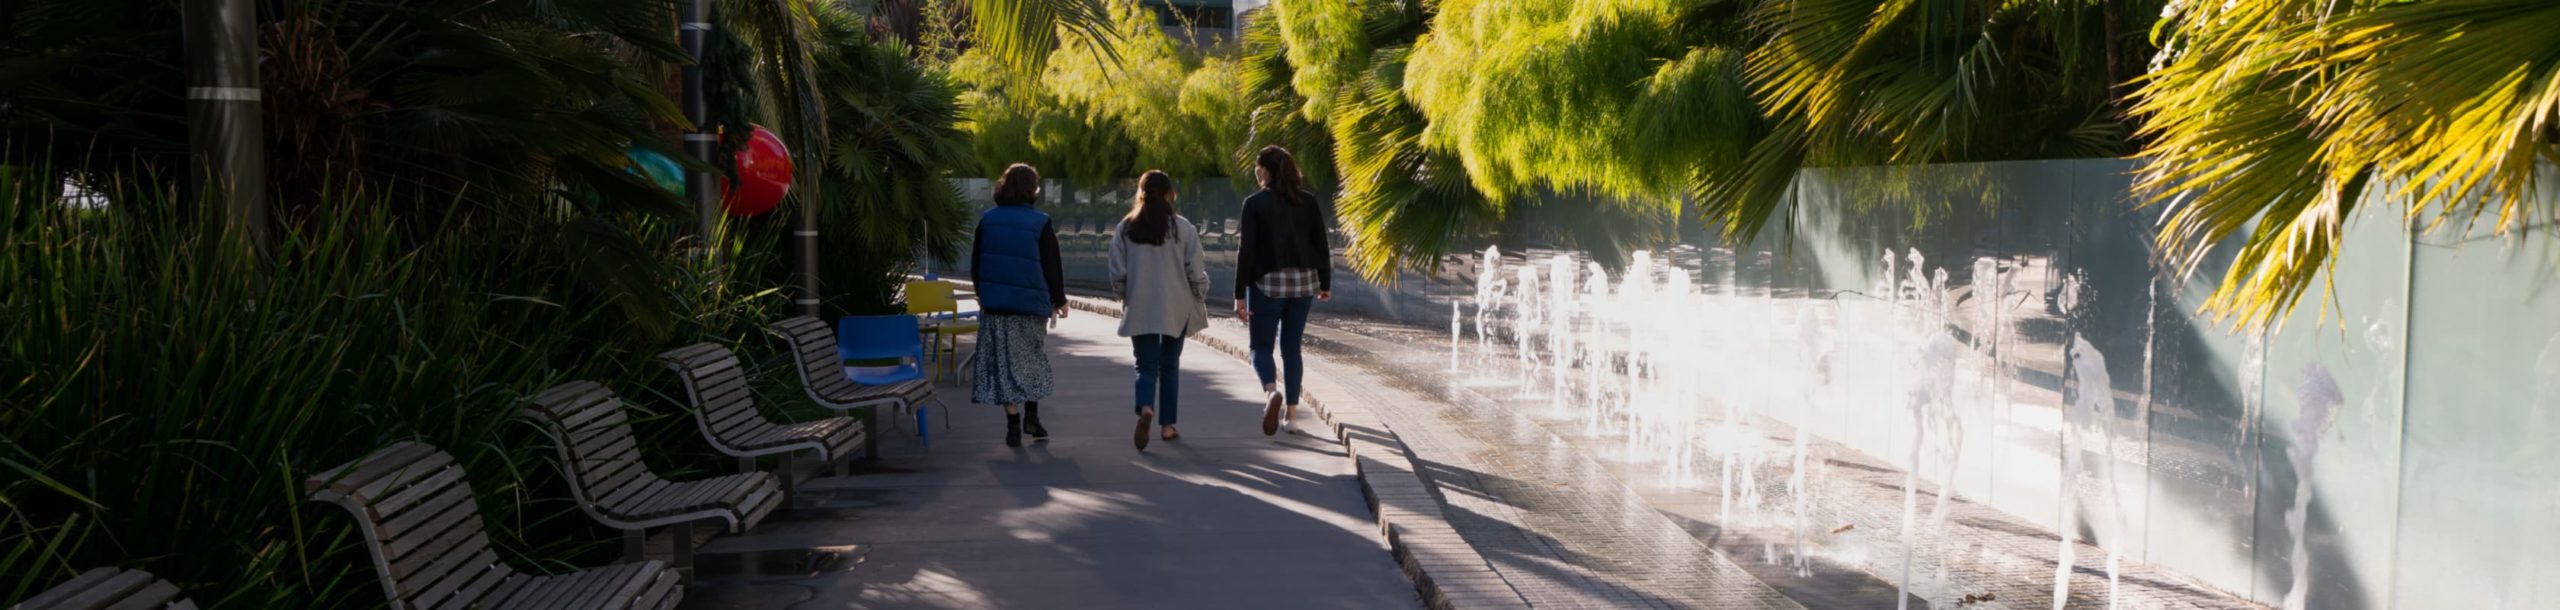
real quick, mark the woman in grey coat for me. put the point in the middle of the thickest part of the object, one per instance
(1163, 285)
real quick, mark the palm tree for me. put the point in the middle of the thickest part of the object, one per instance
(1343, 77)
(892, 142)
(2271, 121)
(1875, 82)
(1401, 202)
(2261, 121)
(1641, 105)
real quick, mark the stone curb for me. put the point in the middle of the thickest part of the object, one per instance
(1447, 571)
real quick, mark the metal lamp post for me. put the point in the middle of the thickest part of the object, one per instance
(699, 183)
(226, 136)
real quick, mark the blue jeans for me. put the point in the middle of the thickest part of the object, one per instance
(1285, 320)
(1159, 374)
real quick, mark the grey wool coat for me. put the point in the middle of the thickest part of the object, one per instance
(1163, 288)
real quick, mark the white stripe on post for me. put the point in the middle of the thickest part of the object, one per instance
(227, 94)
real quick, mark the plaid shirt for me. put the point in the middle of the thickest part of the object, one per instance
(1289, 283)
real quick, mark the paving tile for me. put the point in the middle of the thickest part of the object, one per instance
(1226, 518)
(1565, 529)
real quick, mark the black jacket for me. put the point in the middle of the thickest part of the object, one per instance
(1282, 235)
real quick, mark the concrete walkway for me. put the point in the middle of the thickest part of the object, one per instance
(1224, 518)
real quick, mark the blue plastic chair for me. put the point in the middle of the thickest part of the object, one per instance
(894, 338)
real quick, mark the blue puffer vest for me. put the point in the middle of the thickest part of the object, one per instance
(1010, 280)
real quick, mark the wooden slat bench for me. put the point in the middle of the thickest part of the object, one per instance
(813, 347)
(422, 526)
(725, 407)
(103, 588)
(602, 460)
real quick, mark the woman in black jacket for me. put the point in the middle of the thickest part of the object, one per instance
(1283, 267)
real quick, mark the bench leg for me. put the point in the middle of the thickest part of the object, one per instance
(871, 440)
(683, 560)
(635, 545)
(844, 466)
(789, 473)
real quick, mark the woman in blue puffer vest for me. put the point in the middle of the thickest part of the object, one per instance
(1015, 263)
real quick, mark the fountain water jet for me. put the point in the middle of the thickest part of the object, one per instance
(1676, 371)
(1488, 296)
(2320, 398)
(2092, 413)
(1525, 321)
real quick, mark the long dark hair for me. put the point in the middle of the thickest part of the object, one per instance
(1150, 218)
(1280, 174)
(1019, 185)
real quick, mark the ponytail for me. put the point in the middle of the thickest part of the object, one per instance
(1150, 218)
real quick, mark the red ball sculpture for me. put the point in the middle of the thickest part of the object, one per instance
(764, 176)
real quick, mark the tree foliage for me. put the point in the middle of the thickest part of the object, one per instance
(2264, 120)
(1424, 168)
(465, 234)
(427, 104)
(1020, 35)
(2273, 121)
(892, 143)
(1109, 106)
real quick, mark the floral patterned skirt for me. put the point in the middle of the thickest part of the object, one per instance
(1012, 368)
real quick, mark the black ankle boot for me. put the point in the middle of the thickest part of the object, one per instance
(1012, 429)
(1031, 421)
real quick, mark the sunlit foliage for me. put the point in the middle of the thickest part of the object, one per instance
(1105, 109)
(2263, 120)
(2273, 120)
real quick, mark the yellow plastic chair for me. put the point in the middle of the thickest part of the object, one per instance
(933, 302)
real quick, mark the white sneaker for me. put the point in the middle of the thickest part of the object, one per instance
(1290, 426)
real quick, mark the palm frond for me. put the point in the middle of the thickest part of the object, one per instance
(1275, 114)
(1023, 33)
(1522, 91)
(784, 37)
(2273, 121)
(1402, 203)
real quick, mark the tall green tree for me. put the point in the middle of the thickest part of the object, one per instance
(1104, 109)
(1429, 160)
(1642, 109)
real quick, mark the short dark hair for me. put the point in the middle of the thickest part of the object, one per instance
(1020, 184)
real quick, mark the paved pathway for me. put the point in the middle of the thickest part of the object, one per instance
(1225, 518)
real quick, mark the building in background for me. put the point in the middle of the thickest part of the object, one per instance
(1203, 23)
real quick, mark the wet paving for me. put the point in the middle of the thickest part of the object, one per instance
(1552, 521)
(1550, 499)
